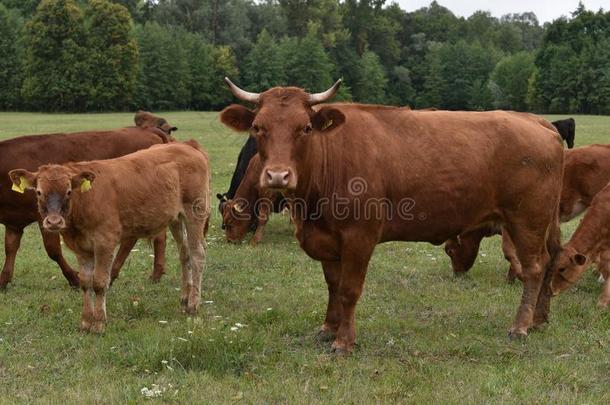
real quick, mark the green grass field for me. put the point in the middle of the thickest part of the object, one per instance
(423, 335)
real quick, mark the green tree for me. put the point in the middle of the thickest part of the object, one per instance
(263, 67)
(510, 81)
(371, 87)
(114, 55)
(11, 75)
(164, 77)
(57, 58)
(306, 63)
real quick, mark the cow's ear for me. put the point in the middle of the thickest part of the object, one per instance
(579, 259)
(83, 180)
(327, 118)
(237, 117)
(23, 180)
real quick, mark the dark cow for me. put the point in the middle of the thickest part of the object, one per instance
(98, 204)
(250, 207)
(243, 159)
(586, 172)
(29, 152)
(358, 175)
(144, 119)
(567, 130)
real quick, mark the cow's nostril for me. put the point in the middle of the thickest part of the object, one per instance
(269, 176)
(285, 176)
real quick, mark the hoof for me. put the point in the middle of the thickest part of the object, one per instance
(325, 335)
(339, 349)
(3, 287)
(85, 326)
(459, 273)
(190, 309)
(155, 279)
(517, 334)
(75, 285)
(98, 327)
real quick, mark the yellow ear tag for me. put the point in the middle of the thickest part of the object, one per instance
(85, 186)
(23, 184)
(327, 125)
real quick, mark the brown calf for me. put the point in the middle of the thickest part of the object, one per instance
(144, 119)
(97, 205)
(589, 244)
(29, 152)
(251, 206)
(359, 175)
(586, 172)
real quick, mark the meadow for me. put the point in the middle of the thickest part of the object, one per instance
(423, 334)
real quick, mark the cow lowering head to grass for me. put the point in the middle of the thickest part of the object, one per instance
(358, 175)
(589, 244)
(144, 119)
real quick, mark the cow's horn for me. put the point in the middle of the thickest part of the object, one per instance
(242, 94)
(318, 98)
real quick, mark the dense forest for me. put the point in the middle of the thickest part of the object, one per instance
(104, 55)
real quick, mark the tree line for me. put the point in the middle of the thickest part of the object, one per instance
(106, 55)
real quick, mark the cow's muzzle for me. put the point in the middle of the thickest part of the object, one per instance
(54, 223)
(279, 179)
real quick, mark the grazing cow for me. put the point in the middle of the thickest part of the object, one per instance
(590, 243)
(567, 130)
(250, 206)
(243, 159)
(144, 119)
(587, 171)
(358, 175)
(97, 205)
(19, 210)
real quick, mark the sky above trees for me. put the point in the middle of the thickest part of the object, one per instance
(545, 10)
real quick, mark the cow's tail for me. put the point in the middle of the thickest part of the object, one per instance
(553, 246)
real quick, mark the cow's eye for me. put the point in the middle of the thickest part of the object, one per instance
(255, 129)
(69, 192)
(562, 270)
(307, 129)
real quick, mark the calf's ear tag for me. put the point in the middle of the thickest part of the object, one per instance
(23, 184)
(85, 186)
(327, 125)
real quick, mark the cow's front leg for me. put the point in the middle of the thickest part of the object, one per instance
(101, 282)
(86, 283)
(604, 269)
(12, 241)
(52, 245)
(354, 264)
(334, 309)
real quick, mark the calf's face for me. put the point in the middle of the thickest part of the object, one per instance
(570, 266)
(54, 186)
(236, 221)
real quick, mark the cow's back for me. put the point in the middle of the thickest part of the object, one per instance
(587, 171)
(442, 172)
(33, 151)
(145, 190)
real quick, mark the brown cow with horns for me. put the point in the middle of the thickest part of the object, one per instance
(358, 175)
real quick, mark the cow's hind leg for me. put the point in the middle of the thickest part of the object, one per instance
(194, 225)
(101, 282)
(159, 243)
(530, 245)
(334, 309)
(508, 248)
(12, 241)
(52, 244)
(178, 232)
